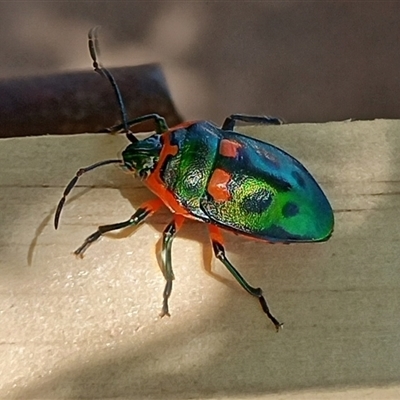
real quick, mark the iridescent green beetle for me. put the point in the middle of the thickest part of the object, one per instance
(220, 177)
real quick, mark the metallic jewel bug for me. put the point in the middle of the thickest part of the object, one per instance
(218, 176)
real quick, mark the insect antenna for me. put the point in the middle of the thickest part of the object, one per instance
(94, 54)
(73, 182)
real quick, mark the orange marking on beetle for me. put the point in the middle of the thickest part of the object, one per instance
(157, 186)
(218, 185)
(229, 148)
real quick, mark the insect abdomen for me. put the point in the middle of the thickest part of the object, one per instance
(258, 189)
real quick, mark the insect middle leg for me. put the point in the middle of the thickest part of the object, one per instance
(219, 251)
(143, 212)
(230, 122)
(168, 236)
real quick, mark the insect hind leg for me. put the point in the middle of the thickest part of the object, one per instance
(230, 122)
(219, 251)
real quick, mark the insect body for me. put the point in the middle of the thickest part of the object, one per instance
(225, 179)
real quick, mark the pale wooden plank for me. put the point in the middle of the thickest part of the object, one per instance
(90, 328)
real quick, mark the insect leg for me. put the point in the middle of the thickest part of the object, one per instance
(230, 122)
(161, 124)
(168, 235)
(219, 251)
(144, 211)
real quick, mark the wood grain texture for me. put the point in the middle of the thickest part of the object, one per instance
(90, 328)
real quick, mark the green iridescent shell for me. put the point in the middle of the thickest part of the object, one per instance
(246, 185)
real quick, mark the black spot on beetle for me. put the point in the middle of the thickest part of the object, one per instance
(290, 209)
(257, 202)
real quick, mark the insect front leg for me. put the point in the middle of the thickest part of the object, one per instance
(230, 122)
(168, 236)
(219, 251)
(143, 212)
(160, 123)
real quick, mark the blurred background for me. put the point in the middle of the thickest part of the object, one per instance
(299, 60)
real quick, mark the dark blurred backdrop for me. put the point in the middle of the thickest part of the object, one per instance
(302, 61)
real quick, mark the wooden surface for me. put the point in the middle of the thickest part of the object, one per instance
(90, 329)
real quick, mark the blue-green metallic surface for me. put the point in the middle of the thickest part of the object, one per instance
(271, 195)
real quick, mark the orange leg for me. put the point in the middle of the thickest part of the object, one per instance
(219, 251)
